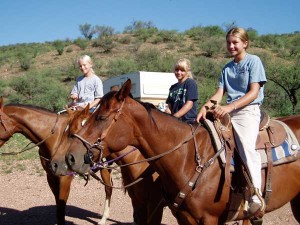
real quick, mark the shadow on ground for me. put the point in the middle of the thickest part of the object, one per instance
(45, 215)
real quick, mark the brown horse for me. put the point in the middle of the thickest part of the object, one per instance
(121, 121)
(44, 128)
(143, 184)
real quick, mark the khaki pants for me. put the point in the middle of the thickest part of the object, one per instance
(246, 126)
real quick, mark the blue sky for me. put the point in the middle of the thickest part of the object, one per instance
(27, 21)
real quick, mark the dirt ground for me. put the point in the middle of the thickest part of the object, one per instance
(26, 199)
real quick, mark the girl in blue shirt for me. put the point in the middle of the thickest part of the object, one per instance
(243, 80)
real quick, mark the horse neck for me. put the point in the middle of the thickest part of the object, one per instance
(35, 124)
(174, 138)
(160, 133)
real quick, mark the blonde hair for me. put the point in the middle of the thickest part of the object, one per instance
(86, 59)
(185, 65)
(240, 33)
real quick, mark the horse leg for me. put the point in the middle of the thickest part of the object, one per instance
(156, 203)
(295, 205)
(60, 187)
(106, 177)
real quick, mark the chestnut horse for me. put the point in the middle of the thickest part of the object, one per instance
(121, 121)
(44, 128)
(141, 182)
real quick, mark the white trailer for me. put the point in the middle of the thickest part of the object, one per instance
(145, 86)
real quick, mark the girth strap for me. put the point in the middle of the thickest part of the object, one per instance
(190, 185)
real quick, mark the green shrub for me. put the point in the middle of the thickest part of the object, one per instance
(201, 33)
(25, 61)
(39, 89)
(213, 47)
(125, 40)
(120, 66)
(145, 33)
(59, 46)
(169, 36)
(82, 43)
(148, 60)
(106, 43)
(104, 31)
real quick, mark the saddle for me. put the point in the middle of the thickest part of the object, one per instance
(271, 134)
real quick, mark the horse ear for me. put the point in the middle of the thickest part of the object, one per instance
(124, 91)
(69, 110)
(87, 110)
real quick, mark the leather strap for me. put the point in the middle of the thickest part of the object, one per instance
(268, 187)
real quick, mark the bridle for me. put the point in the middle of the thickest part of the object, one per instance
(99, 142)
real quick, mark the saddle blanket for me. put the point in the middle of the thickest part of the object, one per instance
(283, 153)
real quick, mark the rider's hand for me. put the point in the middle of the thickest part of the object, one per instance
(221, 111)
(201, 115)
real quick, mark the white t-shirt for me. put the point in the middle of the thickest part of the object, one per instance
(87, 89)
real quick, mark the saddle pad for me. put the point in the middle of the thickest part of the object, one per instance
(285, 152)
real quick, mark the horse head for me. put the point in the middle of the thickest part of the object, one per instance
(88, 145)
(77, 119)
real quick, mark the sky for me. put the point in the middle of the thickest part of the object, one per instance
(39, 21)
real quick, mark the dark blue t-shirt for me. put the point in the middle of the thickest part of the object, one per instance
(179, 94)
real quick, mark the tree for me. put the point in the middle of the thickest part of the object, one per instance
(138, 25)
(87, 31)
(104, 31)
(287, 77)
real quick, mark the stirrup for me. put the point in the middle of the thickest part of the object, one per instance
(263, 204)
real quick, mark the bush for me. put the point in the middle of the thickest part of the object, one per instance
(82, 43)
(25, 61)
(148, 60)
(145, 33)
(213, 46)
(121, 66)
(59, 46)
(125, 40)
(201, 33)
(169, 36)
(104, 31)
(106, 43)
(39, 89)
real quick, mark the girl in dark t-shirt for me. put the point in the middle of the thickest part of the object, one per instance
(183, 95)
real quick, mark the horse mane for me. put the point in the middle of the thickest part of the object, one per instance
(30, 107)
(147, 105)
